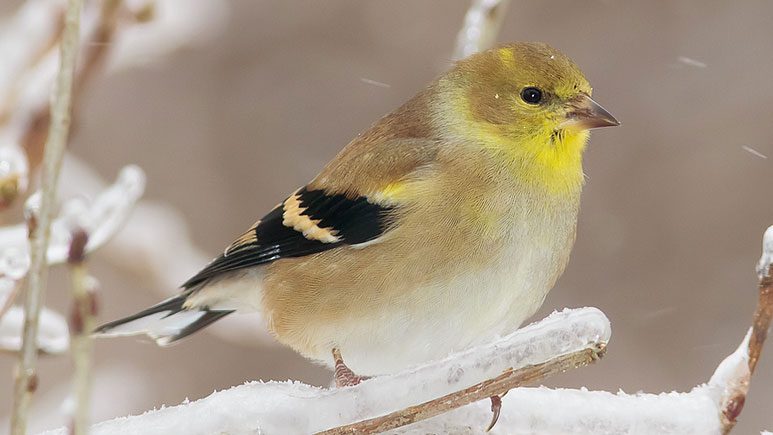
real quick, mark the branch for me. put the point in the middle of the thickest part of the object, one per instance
(102, 219)
(563, 340)
(82, 322)
(481, 27)
(109, 29)
(287, 407)
(493, 387)
(52, 160)
(141, 249)
(736, 371)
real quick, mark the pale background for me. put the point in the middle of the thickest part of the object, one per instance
(672, 214)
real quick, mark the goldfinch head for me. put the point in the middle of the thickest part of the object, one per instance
(524, 92)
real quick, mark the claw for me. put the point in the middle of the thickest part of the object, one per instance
(496, 408)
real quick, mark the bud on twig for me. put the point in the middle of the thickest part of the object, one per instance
(77, 252)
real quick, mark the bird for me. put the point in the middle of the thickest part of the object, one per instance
(441, 226)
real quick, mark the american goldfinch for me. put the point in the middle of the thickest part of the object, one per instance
(443, 224)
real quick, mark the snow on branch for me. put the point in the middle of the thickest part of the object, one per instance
(141, 248)
(52, 333)
(289, 408)
(40, 230)
(129, 33)
(120, 34)
(102, 218)
(431, 398)
(481, 27)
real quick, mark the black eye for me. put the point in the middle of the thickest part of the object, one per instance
(531, 95)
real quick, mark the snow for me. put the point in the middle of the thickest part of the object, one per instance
(763, 266)
(102, 218)
(691, 62)
(174, 24)
(53, 334)
(568, 411)
(481, 26)
(295, 408)
(732, 369)
(289, 407)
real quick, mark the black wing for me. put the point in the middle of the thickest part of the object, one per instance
(307, 222)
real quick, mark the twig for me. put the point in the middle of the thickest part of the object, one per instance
(496, 386)
(82, 322)
(24, 110)
(26, 380)
(481, 27)
(735, 395)
(292, 407)
(94, 46)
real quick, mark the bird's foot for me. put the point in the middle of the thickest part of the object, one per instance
(344, 376)
(496, 408)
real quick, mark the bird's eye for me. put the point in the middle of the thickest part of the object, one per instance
(531, 95)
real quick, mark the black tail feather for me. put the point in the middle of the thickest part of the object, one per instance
(204, 321)
(171, 307)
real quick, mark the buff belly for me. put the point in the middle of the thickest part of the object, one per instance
(382, 327)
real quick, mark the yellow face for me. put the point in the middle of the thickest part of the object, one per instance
(532, 103)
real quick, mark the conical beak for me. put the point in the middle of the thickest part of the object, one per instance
(584, 114)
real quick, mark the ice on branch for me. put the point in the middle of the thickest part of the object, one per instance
(53, 334)
(172, 24)
(141, 249)
(101, 219)
(763, 266)
(287, 407)
(142, 31)
(481, 27)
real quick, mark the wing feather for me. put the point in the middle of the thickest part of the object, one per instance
(307, 222)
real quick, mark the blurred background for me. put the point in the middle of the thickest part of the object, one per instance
(673, 212)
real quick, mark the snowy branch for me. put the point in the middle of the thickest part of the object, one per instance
(439, 391)
(52, 334)
(287, 407)
(141, 248)
(481, 27)
(106, 214)
(61, 112)
(123, 33)
(102, 218)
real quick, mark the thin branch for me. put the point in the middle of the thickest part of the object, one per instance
(291, 407)
(742, 367)
(497, 386)
(26, 379)
(82, 322)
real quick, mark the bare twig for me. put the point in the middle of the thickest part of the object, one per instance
(481, 27)
(26, 380)
(98, 34)
(24, 109)
(82, 322)
(491, 387)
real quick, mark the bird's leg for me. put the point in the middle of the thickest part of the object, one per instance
(344, 376)
(496, 408)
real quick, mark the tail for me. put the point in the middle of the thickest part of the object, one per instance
(165, 322)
